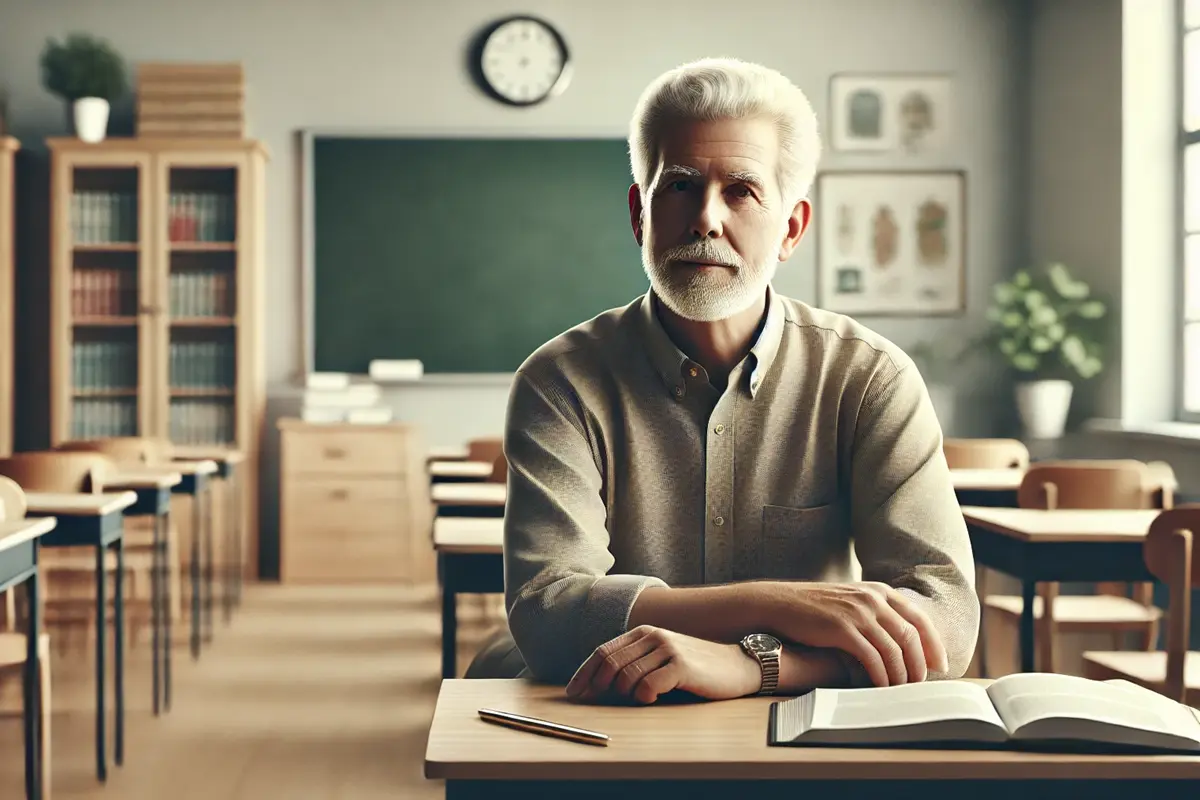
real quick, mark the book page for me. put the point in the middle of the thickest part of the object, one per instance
(1028, 697)
(908, 704)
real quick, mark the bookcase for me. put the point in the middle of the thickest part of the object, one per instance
(157, 258)
(8, 149)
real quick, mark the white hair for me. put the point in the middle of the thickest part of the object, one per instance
(726, 88)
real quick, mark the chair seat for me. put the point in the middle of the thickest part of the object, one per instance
(1146, 668)
(1082, 611)
(12, 648)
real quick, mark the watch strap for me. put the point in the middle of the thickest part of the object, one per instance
(769, 662)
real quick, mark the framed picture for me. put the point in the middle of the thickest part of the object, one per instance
(885, 113)
(891, 243)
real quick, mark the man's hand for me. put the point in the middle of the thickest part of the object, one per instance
(878, 626)
(647, 662)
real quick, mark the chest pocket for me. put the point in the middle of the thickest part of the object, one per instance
(797, 543)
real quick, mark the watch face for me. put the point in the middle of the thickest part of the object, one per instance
(762, 643)
(522, 61)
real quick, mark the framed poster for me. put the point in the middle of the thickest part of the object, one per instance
(891, 243)
(886, 113)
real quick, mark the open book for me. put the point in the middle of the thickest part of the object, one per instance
(1037, 710)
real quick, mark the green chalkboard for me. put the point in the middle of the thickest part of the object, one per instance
(465, 253)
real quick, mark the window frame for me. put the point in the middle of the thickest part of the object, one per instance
(1186, 139)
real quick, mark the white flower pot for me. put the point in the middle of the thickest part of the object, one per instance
(1043, 406)
(91, 119)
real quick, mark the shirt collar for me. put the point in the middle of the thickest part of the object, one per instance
(671, 363)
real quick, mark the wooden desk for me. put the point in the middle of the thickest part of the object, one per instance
(987, 487)
(18, 565)
(196, 476)
(469, 499)
(719, 750)
(228, 464)
(1035, 545)
(95, 520)
(153, 489)
(447, 454)
(470, 557)
(459, 471)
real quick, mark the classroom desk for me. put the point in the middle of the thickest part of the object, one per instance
(469, 499)
(196, 475)
(987, 487)
(719, 750)
(470, 556)
(447, 454)
(459, 471)
(228, 463)
(153, 489)
(18, 564)
(1034, 545)
(96, 520)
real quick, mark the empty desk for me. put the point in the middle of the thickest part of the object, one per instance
(470, 556)
(469, 499)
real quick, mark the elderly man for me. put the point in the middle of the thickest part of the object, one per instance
(694, 477)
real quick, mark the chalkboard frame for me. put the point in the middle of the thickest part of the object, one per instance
(308, 138)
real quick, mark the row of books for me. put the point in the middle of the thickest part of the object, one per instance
(202, 294)
(104, 365)
(104, 217)
(202, 422)
(102, 419)
(201, 217)
(205, 365)
(102, 292)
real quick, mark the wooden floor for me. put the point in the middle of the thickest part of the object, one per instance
(321, 693)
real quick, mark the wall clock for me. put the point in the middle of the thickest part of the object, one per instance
(520, 61)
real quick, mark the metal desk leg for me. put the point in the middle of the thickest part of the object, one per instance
(449, 627)
(101, 635)
(119, 655)
(156, 611)
(33, 687)
(208, 563)
(228, 571)
(165, 585)
(195, 573)
(1028, 592)
(237, 527)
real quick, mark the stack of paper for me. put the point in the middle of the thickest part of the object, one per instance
(341, 397)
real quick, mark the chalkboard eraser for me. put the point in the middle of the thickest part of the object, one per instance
(395, 370)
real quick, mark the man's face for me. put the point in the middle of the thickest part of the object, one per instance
(714, 225)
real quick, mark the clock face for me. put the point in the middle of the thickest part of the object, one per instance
(522, 61)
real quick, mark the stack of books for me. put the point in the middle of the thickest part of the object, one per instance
(178, 100)
(341, 397)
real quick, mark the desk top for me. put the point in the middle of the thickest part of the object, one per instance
(447, 454)
(207, 453)
(66, 504)
(14, 532)
(460, 469)
(144, 478)
(1038, 525)
(469, 494)
(468, 535)
(708, 741)
(987, 480)
(201, 467)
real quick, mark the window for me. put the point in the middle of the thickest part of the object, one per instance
(1190, 162)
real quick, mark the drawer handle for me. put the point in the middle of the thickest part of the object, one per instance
(335, 452)
(339, 494)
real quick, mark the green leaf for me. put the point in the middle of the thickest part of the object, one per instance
(1062, 282)
(1043, 316)
(1022, 279)
(1092, 309)
(1012, 319)
(1041, 344)
(1090, 367)
(1026, 362)
(1005, 293)
(1034, 299)
(1008, 346)
(1073, 350)
(1055, 332)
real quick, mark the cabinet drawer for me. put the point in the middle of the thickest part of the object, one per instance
(343, 452)
(367, 504)
(344, 553)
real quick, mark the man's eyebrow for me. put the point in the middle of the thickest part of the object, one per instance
(743, 176)
(679, 171)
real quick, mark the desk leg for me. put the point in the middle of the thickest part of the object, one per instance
(195, 573)
(449, 626)
(228, 568)
(119, 655)
(1028, 592)
(101, 635)
(236, 487)
(34, 756)
(156, 612)
(208, 564)
(164, 582)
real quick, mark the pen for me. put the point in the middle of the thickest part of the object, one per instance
(543, 727)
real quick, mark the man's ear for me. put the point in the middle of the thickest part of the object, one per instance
(797, 224)
(635, 212)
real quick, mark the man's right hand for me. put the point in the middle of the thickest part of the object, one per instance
(878, 626)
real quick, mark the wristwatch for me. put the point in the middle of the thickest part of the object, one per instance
(766, 650)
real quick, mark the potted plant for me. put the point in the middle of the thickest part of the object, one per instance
(1048, 328)
(89, 74)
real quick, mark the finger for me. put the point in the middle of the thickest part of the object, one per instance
(904, 634)
(890, 652)
(587, 670)
(859, 647)
(628, 678)
(619, 660)
(931, 640)
(658, 682)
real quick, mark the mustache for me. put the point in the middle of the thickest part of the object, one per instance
(704, 250)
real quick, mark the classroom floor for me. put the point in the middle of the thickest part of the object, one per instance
(321, 693)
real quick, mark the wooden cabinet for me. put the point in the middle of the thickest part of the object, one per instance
(156, 300)
(8, 148)
(354, 504)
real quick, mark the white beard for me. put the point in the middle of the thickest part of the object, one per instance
(711, 294)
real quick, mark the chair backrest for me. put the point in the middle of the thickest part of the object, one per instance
(1163, 484)
(1088, 484)
(499, 470)
(486, 449)
(12, 500)
(1172, 555)
(985, 454)
(122, 449)
(55, 471)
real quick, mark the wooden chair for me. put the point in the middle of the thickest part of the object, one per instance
(985, 454)
(13, 645)
(1172, 553)
(485, 449)
(1085, 484)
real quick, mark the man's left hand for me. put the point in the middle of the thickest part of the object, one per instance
(647, 662)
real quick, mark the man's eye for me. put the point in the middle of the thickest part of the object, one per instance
(680, 185)
(740, 190)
